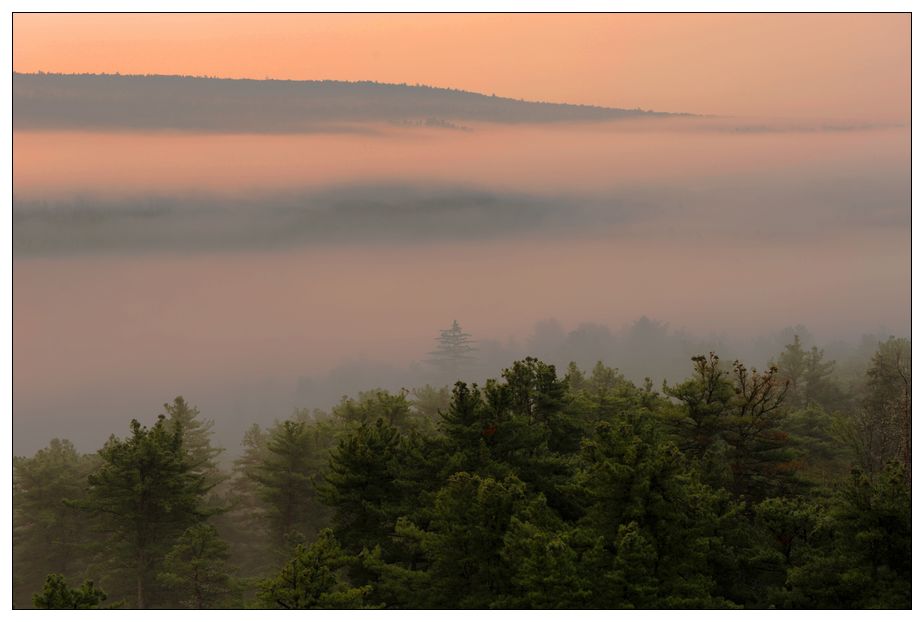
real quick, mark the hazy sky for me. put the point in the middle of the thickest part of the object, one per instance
(844, 66)
(226, 264)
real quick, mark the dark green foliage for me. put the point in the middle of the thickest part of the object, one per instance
(48, 534)
(56, 595)
(655, 526)
(201, 456)
(762, 461)
(313, 579)
(783, 536)
(144, 496)
(549, 570)
(595, 398)
(536, 393)
(286, 478)
(822, 458)
(733, 424)
(404, 581)
(393, 409)
(471, 516)
(862, 553)
(197, 571)
(368, 487)
(518, 426)
(733, 489)
(706, 400)
(466, 430)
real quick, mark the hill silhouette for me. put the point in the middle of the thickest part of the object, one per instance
(186, 103)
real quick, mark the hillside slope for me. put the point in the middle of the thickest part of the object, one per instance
(60, 101)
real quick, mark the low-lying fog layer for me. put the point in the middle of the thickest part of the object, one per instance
(232, 268)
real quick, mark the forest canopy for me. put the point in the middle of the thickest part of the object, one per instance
(736, 487)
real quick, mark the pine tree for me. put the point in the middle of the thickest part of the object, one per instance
(145, 495)
(369, 406)
(705, 399)
(453, 354)
(196, 439)
(888, 403)
(734, 424)
(197, 571)
(312, 579)
(471, 516)
(361, 486)
(861, 555)
(651, 529)
(809, 376)
(793, 363)
(57, 595)
(48, 534)
(244, 525)
(286, 477)
(818, 384)
(762, 458)
(466, 430)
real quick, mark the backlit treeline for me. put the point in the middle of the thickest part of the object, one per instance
(542, 488)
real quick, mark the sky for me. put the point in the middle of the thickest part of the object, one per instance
(188, 243)
(853, 66)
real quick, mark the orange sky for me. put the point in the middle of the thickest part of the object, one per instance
(834, 66)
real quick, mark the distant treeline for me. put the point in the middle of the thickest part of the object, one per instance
(733, 488)
(643, 348)
(355, 213)
(186, 103)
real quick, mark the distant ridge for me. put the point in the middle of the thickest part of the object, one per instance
(187, 103)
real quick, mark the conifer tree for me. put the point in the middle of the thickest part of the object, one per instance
(48, 534)
(197, 571)
(196, 439)
(454, 352)
(882, 428)
(361, 486)
(286, 477)
(57, 595)
(145, 494)
(313, 579)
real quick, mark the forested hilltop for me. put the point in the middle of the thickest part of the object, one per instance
(199, 103)
(735, 488)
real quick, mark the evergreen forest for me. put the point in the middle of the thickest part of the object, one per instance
(780, 486)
